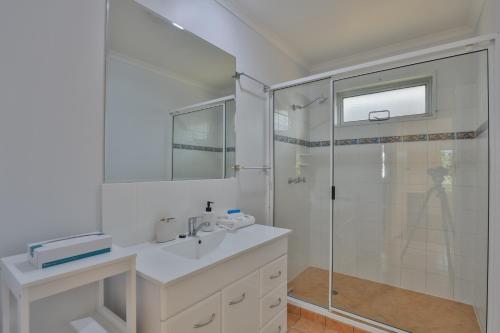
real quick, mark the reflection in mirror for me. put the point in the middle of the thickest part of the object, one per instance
(199, 139)
(155, 72)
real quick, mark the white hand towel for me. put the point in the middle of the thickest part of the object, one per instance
(233, 222)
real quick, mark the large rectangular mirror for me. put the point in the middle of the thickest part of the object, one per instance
(170, 105)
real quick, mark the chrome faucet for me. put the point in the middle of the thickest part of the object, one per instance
(193, 228)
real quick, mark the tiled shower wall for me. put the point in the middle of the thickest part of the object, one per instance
(384, 230)
(305, 206)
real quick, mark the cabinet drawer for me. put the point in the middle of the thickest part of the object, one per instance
(272, 304)
(240, 305)
(272, 275)
(203, 317)
(277, 324)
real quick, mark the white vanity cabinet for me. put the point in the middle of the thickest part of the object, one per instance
(244, 293)
(203, 317)
(241, 305)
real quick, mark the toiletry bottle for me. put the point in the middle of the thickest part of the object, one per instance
(209, 216)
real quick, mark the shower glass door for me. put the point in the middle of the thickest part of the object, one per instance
(302, 185)
(410, 217)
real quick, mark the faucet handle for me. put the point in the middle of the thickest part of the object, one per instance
(192, 221)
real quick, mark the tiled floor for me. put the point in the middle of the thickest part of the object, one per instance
(408, 310)
(304, 321)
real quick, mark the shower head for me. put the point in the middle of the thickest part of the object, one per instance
(320, 100)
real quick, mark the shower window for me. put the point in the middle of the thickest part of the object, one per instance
(396, 101)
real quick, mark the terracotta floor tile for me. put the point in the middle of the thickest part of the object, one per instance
(335, 326)
(313, 316)
(293, 309)
(293, 330)
(308, 326)
(332, 330)
(405, 309)
(359, 330)
(292, 318)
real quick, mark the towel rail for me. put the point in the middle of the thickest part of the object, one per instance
(239, 167)
(238, 75)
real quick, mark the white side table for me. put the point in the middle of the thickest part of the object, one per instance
(27, 284)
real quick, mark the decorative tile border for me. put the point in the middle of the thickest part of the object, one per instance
(391, 139)
(466, 135)
(301, 142)
(441, 136)
(482, 128)
(199, 148)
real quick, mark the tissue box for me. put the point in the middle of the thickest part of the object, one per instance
(63, 250)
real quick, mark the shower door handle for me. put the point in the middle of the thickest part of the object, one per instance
(333, 192)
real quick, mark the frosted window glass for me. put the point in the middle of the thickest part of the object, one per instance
(400, 102)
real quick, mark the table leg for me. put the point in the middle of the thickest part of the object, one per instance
(23, 313)
(131, 300)
(5, 309)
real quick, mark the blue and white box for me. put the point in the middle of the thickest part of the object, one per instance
(62, 250)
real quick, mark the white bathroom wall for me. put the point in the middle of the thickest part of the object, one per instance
(254, 55)
(303, 207)
(52, 117)
(291, 208)
(319, 176)
(51, 131)
(130, 210)
(138, 123)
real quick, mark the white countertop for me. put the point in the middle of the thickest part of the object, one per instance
(161, 267)
(24, 274)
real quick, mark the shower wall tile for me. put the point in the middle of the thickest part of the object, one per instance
(413, 279)
(438, 285)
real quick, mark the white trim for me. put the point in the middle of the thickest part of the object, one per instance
(344, 319)
(475, 14)
(332, 182)
(493, 320)
(202, 105)
(270, 163)
(388, 60)
(397, 48)
(261, 28)
(224, 147)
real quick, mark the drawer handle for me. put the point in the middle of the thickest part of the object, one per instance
(275, 276)
(242, 297)
(205, 323)
(275, 305)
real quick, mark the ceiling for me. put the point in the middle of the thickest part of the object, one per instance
(323, 33)
(141, 37)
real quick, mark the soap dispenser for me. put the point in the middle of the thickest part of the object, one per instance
(209, 216)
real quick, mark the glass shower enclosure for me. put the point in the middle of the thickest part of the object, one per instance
(383, 177)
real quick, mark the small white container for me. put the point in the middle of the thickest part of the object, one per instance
(165, 230)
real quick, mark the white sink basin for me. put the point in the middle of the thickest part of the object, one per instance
(195, 248)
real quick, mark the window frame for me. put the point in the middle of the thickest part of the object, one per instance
(427, 81)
